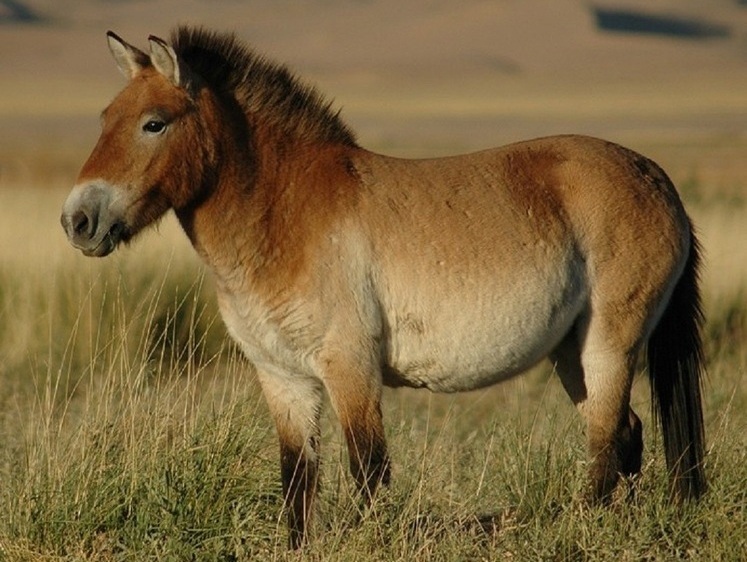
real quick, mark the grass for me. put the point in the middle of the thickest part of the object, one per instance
(131, 429)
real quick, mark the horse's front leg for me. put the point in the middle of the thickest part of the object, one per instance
(295, 403)
(354, 386)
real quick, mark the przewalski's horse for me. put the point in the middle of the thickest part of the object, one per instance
(339, 270)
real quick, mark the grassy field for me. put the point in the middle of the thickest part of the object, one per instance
(130, 428)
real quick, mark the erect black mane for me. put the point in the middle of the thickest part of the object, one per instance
(263, 88)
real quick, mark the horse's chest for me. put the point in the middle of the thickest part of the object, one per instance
(273, 334)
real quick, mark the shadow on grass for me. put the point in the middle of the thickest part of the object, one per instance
(484, 525)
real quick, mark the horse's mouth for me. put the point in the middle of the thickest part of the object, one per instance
(108, 243)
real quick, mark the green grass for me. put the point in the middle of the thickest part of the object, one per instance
(131, 429)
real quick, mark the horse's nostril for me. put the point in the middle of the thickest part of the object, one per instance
(80, 223)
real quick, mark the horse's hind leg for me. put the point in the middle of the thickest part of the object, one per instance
(598, 383)
(631, 445)
(355, 394)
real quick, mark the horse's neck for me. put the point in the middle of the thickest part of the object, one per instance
(224, 226)
(252, 219)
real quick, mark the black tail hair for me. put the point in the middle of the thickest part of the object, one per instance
(676, 370)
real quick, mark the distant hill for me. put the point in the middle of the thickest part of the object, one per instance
(13, 11)
(627, 20)
(457, 75)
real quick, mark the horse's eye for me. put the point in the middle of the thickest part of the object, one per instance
(154, 126)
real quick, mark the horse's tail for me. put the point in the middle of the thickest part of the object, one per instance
(676, 370)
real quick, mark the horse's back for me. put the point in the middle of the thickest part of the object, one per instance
(581, 177)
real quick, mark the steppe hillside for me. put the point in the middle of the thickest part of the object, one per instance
(418, 77)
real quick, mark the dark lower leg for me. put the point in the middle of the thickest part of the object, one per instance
(299, 474)
(630, 445)
(369, 461)
(614, 451)
(604, 469)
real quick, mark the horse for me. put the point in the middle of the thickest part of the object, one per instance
(339, 270)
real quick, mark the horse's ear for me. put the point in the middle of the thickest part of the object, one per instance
(165, 60)
(129, 59)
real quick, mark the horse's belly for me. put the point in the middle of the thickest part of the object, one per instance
(468, 342)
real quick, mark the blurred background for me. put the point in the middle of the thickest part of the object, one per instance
(413, 78)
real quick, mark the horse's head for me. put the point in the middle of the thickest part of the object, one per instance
(146, 159)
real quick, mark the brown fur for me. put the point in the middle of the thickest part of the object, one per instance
(339, 270)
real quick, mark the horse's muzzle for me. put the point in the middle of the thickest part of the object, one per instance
(89, 221)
